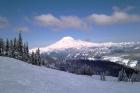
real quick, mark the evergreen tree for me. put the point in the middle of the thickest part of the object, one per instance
(25, 52)
(125, 78)
(134, 77)
(11, 51)
(102, 76)
(20, 47)
(33, 58)
(122, 75)
(38, 57)
(15, 48)
(7, 48)
(43, 62)
(1, 46)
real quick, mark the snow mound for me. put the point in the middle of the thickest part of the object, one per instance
(19, 77)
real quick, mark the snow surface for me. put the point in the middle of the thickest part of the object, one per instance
(19, 77)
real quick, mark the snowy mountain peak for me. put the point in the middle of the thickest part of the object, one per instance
(69, 42)
(67, 38)
(65, 43)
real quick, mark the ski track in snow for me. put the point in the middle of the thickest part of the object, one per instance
(20, 77)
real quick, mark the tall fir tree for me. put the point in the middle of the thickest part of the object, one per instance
(15, 48)
(1, 46)
(20, 47)
(11, 50)
(7, 48)
(25, 52)
(38, 57)
(33, 58)
(122, 76)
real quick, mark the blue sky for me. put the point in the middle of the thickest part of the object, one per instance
(43, 22)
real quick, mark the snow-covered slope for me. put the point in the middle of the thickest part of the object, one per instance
(19, 77)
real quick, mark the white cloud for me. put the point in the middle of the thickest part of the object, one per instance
(61, 22)
(3, 22)
(47, 20)
(126, 9)
(22, 29)
(116, 17)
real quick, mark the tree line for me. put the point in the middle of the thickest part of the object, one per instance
(17, 49)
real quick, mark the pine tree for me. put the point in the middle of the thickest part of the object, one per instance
(125, 78)
(33, 58)
(134, 77)
(7, 48)
(102, 76)
(11, 50)
(25, 52)
(43, 62)
(1, 46)
(20, 47)
(122, 75)
(38, 57)
(15, 48)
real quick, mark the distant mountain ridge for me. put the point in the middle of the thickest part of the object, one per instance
(69, 42)
(67, 48)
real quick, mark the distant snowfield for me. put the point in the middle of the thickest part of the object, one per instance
(20, 77)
